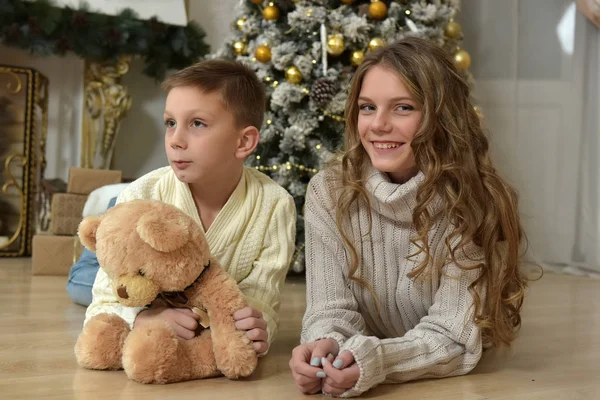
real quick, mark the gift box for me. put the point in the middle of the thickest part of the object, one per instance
(86, 180)
(66, 213)
(54, 255)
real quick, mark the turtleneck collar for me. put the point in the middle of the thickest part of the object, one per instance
(392, 200)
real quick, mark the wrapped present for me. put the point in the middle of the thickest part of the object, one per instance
(54, 255)
(86, 180)
(48, 188)
(66, 213)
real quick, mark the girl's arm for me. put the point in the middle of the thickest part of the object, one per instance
(331, 308)
(446, 342)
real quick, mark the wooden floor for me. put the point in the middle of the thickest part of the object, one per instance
(556, 357)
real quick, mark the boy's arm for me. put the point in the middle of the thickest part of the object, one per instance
(103, 297)
(105, 301)
(263, 285)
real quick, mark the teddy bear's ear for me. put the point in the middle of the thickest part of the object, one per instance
(164, 232)
(87, 232)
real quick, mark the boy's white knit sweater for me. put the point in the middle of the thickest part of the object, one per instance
(253, 236)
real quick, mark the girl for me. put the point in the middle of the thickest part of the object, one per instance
(412, 238)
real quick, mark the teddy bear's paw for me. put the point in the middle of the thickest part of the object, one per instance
(236, 358)
(100, 344)
(150, 354)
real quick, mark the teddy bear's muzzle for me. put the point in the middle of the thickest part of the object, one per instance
(135, 291)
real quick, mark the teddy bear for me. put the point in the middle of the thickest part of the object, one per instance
(154, 252)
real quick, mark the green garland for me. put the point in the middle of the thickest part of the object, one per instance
(44, 29)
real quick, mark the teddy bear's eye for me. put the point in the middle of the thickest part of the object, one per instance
(142, 273)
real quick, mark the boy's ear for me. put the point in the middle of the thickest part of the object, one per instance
(87, 232)
(247, 142)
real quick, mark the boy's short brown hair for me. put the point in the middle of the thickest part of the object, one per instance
(243, 94)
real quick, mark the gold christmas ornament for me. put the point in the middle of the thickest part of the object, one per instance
(293, 75)
(271, 12)
(453, 30)
(335, 44)
(377, 10)
(376, 43)
(239, 48)
(263, 53)
(240, 23)
(462, 59)
(357, 57)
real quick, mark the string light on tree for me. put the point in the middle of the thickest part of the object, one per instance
(239, 48)
(377, 10)
(271, 12)
(240, 23)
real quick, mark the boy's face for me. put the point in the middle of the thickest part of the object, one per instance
(201, 138)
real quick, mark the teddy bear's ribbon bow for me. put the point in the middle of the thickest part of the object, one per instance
(180, 300)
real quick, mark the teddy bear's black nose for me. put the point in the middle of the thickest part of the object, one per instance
(122, 292)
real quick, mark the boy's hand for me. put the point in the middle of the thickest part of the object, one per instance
(251, 320)
(342, 374)
(183, 320)
(306, 364)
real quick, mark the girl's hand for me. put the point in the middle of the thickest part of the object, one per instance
(306, 361)
(342, 374)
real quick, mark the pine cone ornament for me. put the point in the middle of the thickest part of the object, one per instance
(323, 91)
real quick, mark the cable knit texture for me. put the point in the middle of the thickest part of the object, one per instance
(425, 328)
(253, 236)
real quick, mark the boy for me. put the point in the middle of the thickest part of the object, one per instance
(212, 115)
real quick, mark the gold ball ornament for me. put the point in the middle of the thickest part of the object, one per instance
(240, 23)
(239, 48)
(378, 10)
(462, 59)
(376, 43)
(453, 30)
(263, 53)
(357, 57)
(335, 44)
(271, 12)
(293, 75)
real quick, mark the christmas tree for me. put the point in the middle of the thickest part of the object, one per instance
(306, 52)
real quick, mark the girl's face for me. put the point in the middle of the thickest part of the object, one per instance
(388, 119)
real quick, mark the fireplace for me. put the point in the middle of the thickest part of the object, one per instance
(23, 127)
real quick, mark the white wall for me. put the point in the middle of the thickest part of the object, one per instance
(536, 73)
